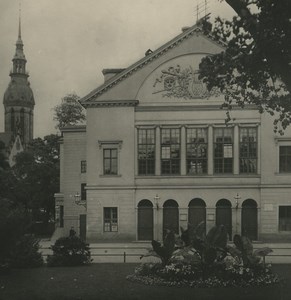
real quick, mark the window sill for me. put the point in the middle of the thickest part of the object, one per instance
(283, 174)
(109, 175)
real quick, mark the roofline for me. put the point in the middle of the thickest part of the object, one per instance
(145, 60)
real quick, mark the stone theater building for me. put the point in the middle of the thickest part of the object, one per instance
(156, 154)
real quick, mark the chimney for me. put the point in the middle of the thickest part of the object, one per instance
(109, 73)
(185, 28)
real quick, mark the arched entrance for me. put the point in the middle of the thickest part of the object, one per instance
(249, 219)
(170, 216)
(145, 220)
(196, 212)
(224, 215)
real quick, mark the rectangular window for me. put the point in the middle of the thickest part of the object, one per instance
(196, 151)
(83, 166)
(223, 150)
(248, 150)
(61, 215)
(146, 151)
(170, 151)
(110, 161)
(285, 218)
(110, 219)
(285, 159)
(83, 191)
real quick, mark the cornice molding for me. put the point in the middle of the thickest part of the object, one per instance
(111, 103)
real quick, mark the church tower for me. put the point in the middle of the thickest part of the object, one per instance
(18, 98)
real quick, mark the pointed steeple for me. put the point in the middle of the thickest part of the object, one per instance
(19, 60)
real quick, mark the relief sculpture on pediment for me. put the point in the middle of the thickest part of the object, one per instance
(181, 83)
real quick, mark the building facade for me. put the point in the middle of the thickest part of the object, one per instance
(156, 154)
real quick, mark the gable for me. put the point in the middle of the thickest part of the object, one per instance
(127, 84)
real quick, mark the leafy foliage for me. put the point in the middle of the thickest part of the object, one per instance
(36, 177)
(211, 247)
(17, 248)
(255, 66)
(166, 250)
(4, 164)
(245, 251)
(26, 253)
(69, 251)
(69, 112)
(205, 260)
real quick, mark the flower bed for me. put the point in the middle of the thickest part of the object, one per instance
(200, 260)
(222, 275)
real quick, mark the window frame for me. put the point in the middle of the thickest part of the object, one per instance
(287, 171)
(112, 158)
(196, 159)
(83, 166)
(280, 219)
(224, 151)
(105, 145)
(110, 221)
(149, 163)
(83, 192)
(170, 145)
(248, 143)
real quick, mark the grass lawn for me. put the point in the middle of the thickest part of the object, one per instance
(108, 281)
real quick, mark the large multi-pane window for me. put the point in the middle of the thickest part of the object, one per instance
(110, 219)
(248, 150)
(285, 159)
(146, 151)
(285, 218)
(223, 150)
(196, 151)
(170, 151)
(110, 161)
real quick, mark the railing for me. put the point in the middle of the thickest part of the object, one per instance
(133, 254)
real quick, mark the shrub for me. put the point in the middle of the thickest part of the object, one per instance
(14, 223)
(26, 253)
(69, 251)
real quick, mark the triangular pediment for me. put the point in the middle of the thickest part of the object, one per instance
(130, 85)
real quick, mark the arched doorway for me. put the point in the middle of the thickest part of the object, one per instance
(249, 219)
(145, 220)
(197, 212)
(170, 216)
(224, 215)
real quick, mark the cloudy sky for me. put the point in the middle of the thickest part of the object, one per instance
(67, 43)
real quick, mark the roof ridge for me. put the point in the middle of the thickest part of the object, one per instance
(146, 59)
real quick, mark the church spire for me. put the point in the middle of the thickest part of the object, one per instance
(19, 60)
(19, 26)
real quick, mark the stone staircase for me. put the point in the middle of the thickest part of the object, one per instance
(131, 252)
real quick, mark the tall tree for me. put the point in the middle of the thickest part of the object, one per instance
(255, 67)
(37, 175)
(69, 112)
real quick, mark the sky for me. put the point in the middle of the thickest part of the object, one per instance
(67, 43)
